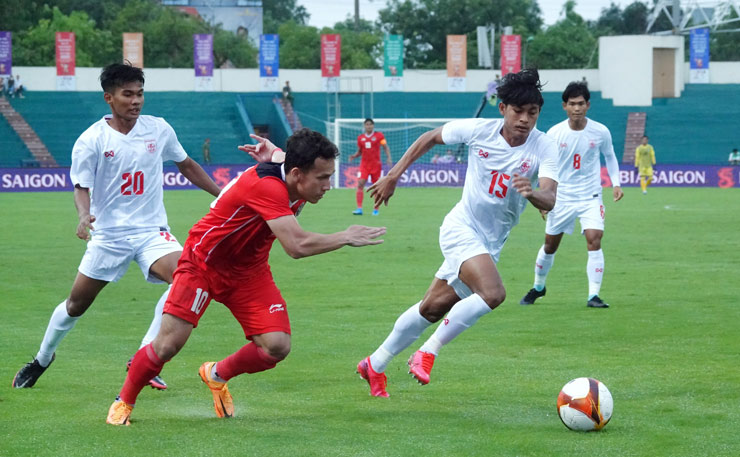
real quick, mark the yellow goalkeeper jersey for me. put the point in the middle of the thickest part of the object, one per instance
(644, 156)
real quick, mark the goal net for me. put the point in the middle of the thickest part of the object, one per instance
(443, 165)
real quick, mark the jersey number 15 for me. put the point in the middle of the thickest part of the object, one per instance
(498, 184)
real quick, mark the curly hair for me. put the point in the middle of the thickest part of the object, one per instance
(521, 88)
(305, 146)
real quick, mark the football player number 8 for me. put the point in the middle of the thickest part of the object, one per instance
(133, 184)
(577, 161)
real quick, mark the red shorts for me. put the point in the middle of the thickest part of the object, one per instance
(254, 300)
(370, 172)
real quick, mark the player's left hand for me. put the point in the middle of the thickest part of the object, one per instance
(543, 213)
(263, 151)
(382, 190)
(618, 194)
(522, 185)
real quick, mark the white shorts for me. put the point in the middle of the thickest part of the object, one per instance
(108, 259)
(460, 242)
(562, 218)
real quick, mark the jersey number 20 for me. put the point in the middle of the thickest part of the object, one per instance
(497, 181)
(133, 184)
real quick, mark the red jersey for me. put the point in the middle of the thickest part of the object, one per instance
(370, 147)
(234, 237)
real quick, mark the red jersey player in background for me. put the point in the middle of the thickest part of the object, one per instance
(368, 145)
(226, 259)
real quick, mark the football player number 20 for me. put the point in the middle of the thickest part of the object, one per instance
(133, 183)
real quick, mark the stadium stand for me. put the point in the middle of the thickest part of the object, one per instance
(709, 113)
(13, 153)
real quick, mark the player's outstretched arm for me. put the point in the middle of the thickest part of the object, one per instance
(382, 190)
(198, 176)
(264, 150)
(299, 243)
(82, 203)
(542, 198)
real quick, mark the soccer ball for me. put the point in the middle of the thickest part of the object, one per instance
(585, 404)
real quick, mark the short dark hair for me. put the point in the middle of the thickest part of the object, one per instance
(575, 90)
(521, 88)
(117, 74)
(370, 121)
(645, 136)
(304, 147)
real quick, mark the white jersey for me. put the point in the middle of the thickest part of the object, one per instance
(125, 173)
(579, 165)
(490, 205)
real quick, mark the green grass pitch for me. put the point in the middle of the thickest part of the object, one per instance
(667, 349)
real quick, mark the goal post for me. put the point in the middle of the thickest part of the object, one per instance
(435, 167)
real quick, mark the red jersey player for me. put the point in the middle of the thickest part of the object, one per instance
(368, 145)
(226, 259)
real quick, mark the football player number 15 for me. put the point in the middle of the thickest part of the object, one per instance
(133, 183)
(498, 184)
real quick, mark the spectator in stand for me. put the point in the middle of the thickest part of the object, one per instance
(18, 87)
(734, 157)
(449, 157)
(207, 151)
(11, 86)
(288, 93)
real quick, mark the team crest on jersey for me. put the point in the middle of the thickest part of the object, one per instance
(592, 144)
(151, 146)
(109, 153)
(525, 166)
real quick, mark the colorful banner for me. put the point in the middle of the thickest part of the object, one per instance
(418, 175)
(133, 49)
(203, 61)
(331, 55)
(699, 56)
(65, 57)
(331, 61)
(511, 54)
(269, 62)
(393, 62)
(6, 53)
(457, 62)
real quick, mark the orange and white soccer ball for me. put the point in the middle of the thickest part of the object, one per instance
(585, 404)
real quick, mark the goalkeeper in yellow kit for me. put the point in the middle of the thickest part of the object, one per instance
(644, 161)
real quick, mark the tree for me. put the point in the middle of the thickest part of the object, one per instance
(361, 47)
(277, 12)
(425, 24)
(300, 46)
(36, 46)
(566, 44)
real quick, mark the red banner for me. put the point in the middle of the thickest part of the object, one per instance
(331, 55)
(65, 46)
(511, 54)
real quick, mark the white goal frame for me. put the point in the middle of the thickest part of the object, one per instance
(337, 124)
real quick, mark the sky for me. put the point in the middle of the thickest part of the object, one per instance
(328, 12)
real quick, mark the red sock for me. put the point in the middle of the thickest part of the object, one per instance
(249, 359)
(358, 196)
(144, 366)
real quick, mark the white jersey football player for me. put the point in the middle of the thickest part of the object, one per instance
(505, 157)
(119, 161)
(581, 142)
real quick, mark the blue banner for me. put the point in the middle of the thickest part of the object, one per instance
(269, 55)
(699, 56)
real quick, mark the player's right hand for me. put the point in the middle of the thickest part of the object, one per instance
(383, 190)
(361, 235)
(263, 151)
(85, 226)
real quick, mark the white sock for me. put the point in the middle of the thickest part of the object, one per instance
(595, 272)
(542, 267)
(157, 321)
(408, 328)
(59, 325)
(465, 313)
(215, 375)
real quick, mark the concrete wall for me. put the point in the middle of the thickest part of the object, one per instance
(628, 81)
(626, 67)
